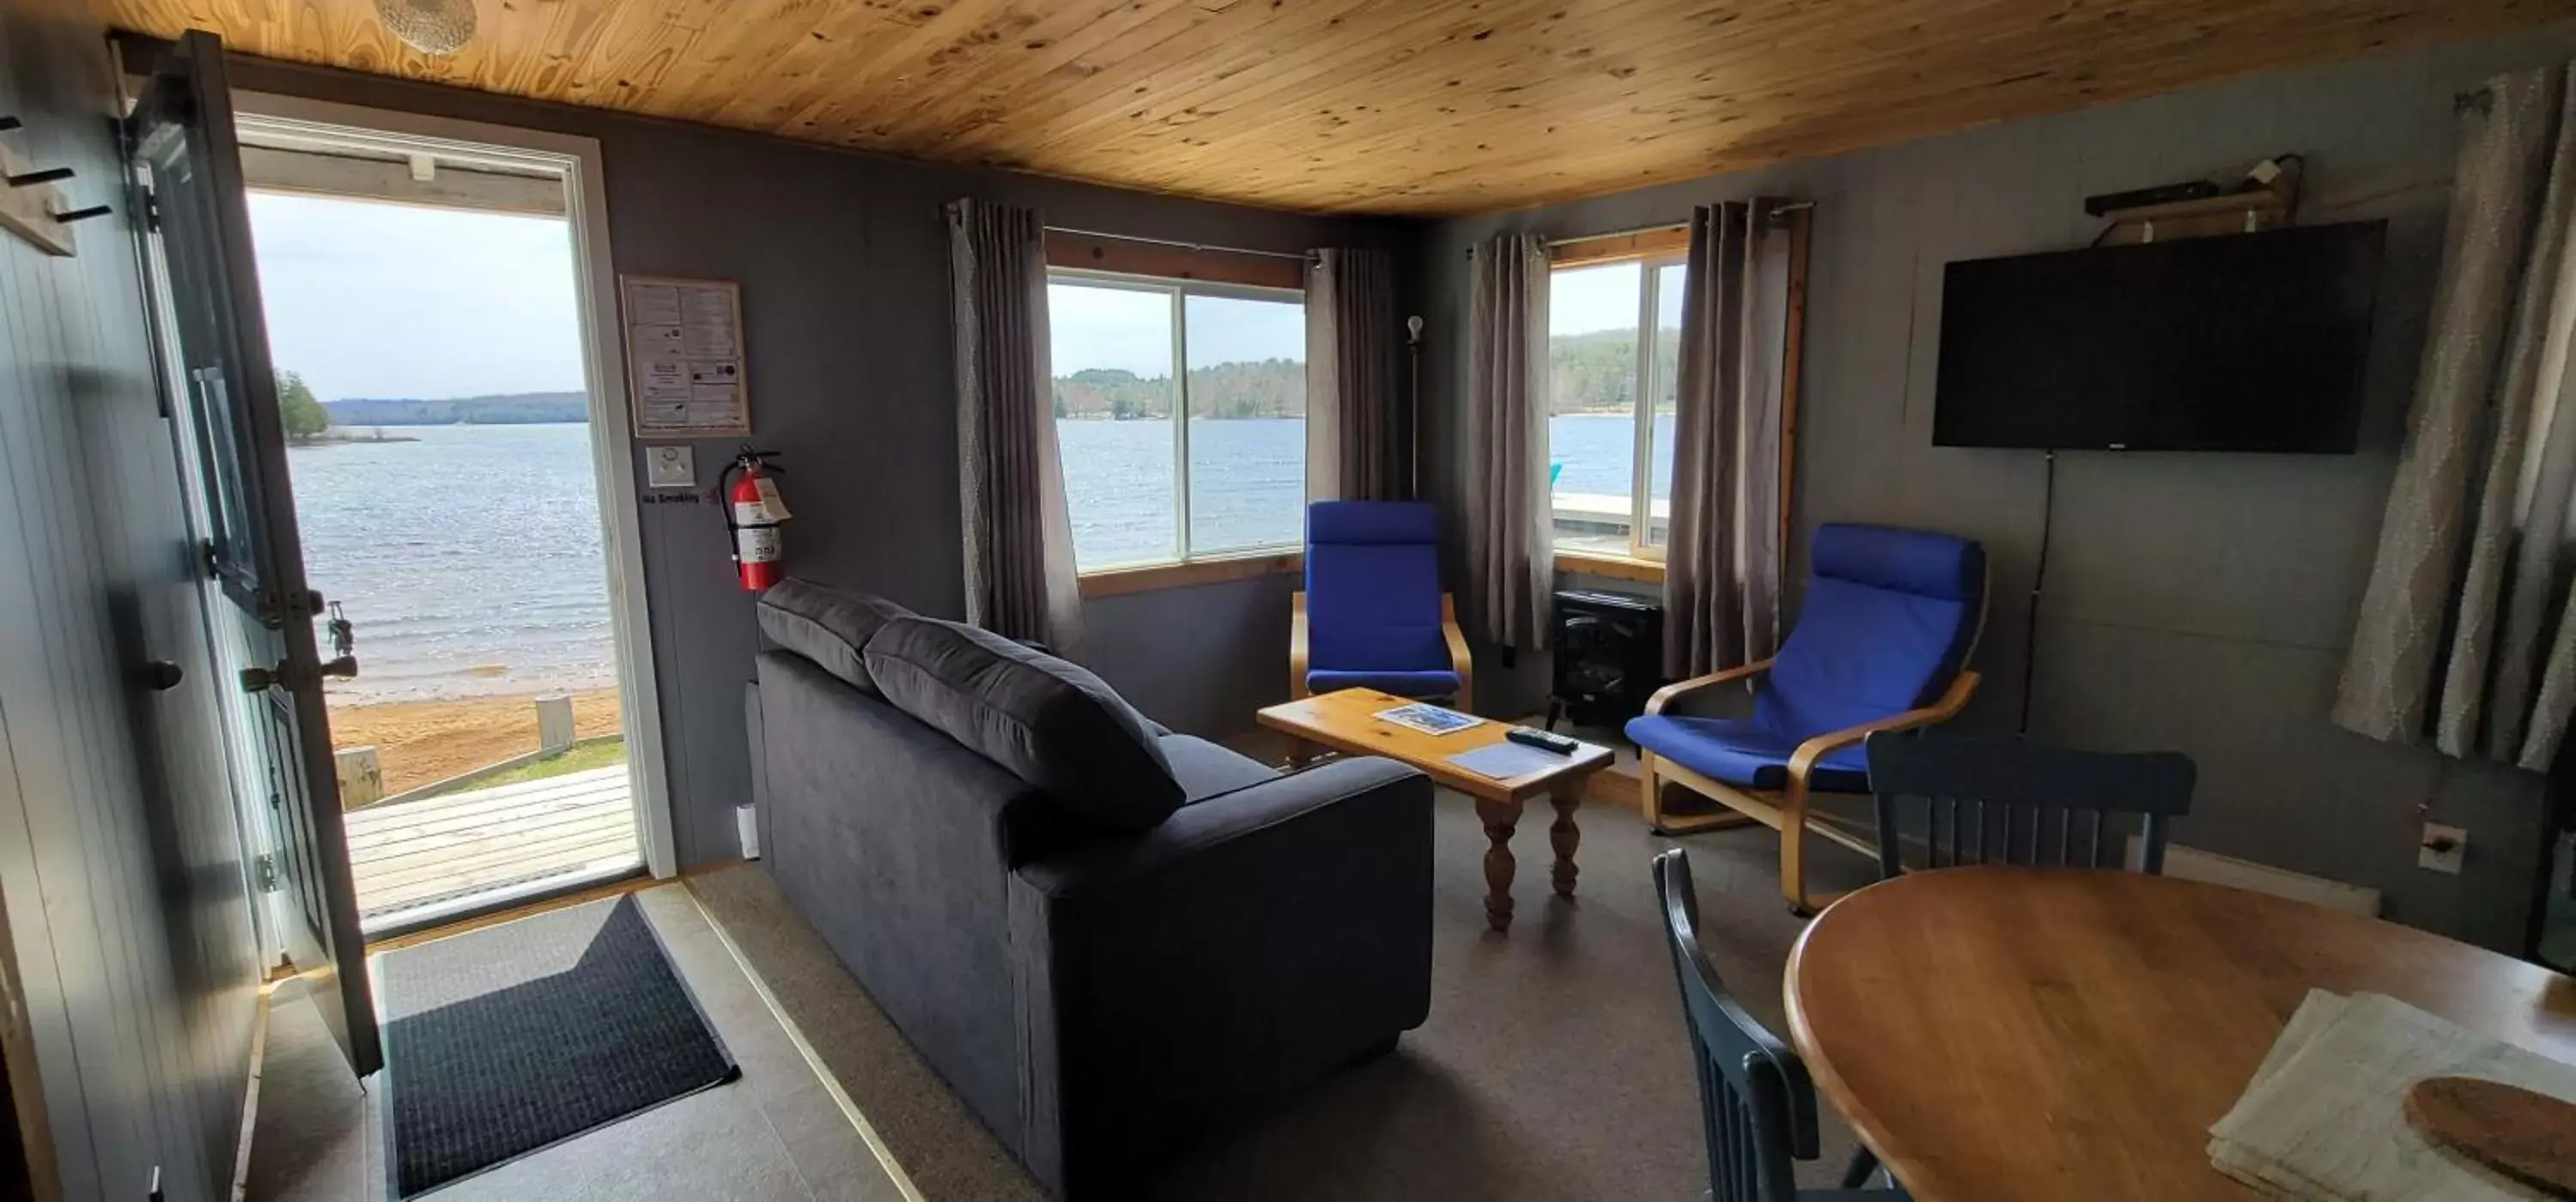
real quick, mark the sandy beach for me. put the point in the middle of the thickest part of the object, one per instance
(418, 742)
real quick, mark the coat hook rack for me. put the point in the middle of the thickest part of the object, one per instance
(83, 214)
(33, 207)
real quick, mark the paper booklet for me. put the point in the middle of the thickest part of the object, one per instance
(1429, 719)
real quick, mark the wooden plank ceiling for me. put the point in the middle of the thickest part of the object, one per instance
(1383, 106)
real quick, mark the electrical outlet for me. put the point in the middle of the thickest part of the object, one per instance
(2442, 848)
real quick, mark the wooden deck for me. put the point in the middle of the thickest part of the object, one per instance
(413, 855)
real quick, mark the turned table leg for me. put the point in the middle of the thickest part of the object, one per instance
(1499, 818)
(1564, 836)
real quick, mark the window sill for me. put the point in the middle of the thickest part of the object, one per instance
(1617, 567)
(1115, 582)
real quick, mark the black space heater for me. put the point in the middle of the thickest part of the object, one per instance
(1609, 657)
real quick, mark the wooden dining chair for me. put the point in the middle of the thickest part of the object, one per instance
(2007, 800)
(1757, 1106)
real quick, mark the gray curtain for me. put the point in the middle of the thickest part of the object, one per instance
(1509, 552)
(1351, 403)
(2465, 631)
(1722, 565)
(1018, 541)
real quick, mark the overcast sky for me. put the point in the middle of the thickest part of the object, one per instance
(381, 300)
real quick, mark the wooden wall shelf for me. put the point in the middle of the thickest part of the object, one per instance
(2269, 207)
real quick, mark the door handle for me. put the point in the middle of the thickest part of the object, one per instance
(160, 676)
(260, 680)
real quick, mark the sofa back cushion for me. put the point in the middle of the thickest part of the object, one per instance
(1046, 721)
(828, 626)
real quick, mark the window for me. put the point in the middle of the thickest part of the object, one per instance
(1130, 354)
(1610, 458)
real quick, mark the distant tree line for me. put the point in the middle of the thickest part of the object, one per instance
(1262, 388)
(504, 409)
(302, 412)
(1589, 373)
(1597, 372)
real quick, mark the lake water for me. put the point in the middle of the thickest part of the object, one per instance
(470, 559)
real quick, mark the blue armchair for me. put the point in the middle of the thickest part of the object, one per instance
(1372, 615)
(1883, 639)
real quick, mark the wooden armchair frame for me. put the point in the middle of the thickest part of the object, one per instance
(1459, 661)
(1784, 809)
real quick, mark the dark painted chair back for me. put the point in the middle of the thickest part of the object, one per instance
(2006, 800)
(1757, 1107)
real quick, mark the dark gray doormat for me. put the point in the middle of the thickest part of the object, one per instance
(509, 1039)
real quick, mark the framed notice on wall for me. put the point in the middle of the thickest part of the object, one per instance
(684, 360)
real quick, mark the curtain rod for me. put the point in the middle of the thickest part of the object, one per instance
(1300, 256)
(1794, 206)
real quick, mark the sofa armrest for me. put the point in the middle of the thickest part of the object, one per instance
(1248, 946)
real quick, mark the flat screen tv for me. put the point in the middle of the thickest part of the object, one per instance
(2248, 342)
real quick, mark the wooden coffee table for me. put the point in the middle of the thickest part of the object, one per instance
(1346, 721)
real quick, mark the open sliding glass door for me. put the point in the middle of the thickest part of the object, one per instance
(181, 139)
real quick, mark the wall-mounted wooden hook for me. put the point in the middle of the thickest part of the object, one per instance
(83, 214)
(45, 176)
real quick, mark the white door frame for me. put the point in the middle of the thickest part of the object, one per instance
(273, 117)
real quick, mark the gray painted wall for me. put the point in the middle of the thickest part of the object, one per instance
(2200, 602)
(843, 260)
(120, 865)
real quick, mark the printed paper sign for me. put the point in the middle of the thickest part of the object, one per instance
(685, 354)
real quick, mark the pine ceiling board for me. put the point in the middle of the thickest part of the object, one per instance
(1349, 105)
(1347, 42)
(919, 103)
(1219, 46)
(1953, 98)
(948, 104)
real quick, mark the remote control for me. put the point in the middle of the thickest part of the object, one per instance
(1543, 740)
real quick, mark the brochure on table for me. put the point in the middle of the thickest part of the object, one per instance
(1429, 719)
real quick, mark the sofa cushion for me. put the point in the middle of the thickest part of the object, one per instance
(827, 625)
(1045, 721)
(1206, 769)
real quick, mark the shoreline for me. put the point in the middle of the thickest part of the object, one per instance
(422, 742)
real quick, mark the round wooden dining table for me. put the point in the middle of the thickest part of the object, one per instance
(2004, 1033)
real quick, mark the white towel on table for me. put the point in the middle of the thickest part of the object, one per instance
(2324, 1119)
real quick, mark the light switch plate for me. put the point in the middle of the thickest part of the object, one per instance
(671, 466)
(2442, 849)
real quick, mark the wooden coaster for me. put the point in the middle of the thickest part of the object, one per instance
(2530, 1137)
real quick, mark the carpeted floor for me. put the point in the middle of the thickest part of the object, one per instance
(1553, 1067)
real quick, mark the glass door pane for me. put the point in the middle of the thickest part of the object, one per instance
(1247, 406)
(1592, 403)
(1111, 348)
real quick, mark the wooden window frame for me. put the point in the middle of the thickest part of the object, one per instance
(1185, 568)
(1660, 243)
(1651, 251)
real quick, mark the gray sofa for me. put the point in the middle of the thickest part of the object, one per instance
(1106, 937)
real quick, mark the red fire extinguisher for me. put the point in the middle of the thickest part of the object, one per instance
(753, 513)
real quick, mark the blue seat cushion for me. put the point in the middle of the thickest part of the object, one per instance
(1745, 753)
(1401, 683)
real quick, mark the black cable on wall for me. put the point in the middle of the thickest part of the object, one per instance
(2038, 578)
